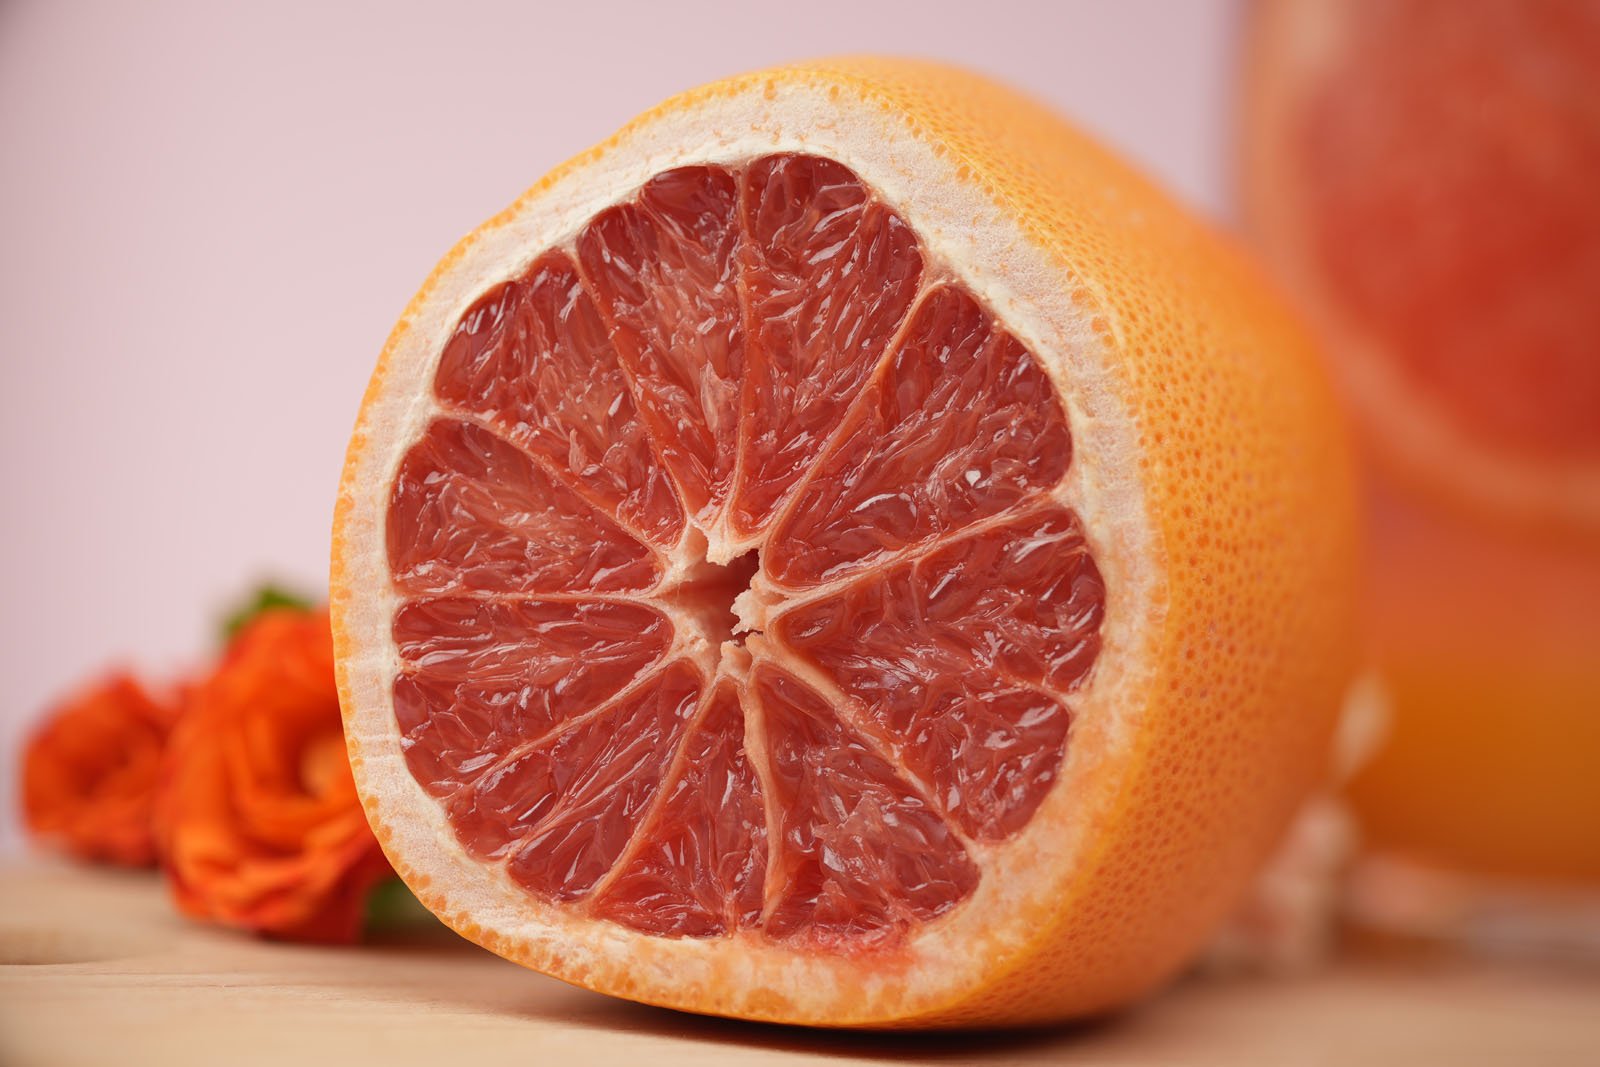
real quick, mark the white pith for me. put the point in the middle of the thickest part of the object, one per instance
(964, 237)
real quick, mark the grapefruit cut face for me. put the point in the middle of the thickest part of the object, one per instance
(1422, 174)
(1462, 226)
(735, 596)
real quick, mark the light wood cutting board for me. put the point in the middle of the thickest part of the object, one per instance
(96, 969)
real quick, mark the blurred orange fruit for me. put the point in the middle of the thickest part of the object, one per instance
(845, 551)
(1422, 175)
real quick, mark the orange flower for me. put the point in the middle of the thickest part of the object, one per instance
(258, 819)
(89, 774)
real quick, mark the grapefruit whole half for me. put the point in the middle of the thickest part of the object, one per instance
(1421, 174)
(844, 551)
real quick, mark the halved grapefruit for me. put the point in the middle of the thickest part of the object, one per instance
(1422, 176)
(844, 551)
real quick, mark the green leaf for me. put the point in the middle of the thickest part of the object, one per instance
(266, 598)
(392, 908)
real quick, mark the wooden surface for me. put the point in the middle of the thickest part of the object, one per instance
(96, 969)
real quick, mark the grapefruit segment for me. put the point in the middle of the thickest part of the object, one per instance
(601, 770)
(603, 775)
(533, 358)
(664, 270)
(698, 868)
(830, 276)
(964, 656)
(960, 423)
(472, 512)
(481, 676)
(862, 857)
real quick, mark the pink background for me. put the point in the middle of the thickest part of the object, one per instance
(211, 214)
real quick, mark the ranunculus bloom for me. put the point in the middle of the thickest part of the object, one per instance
(89, 774)
(258, 819)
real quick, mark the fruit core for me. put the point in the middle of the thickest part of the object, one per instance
(721, 598)
(738, 596)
